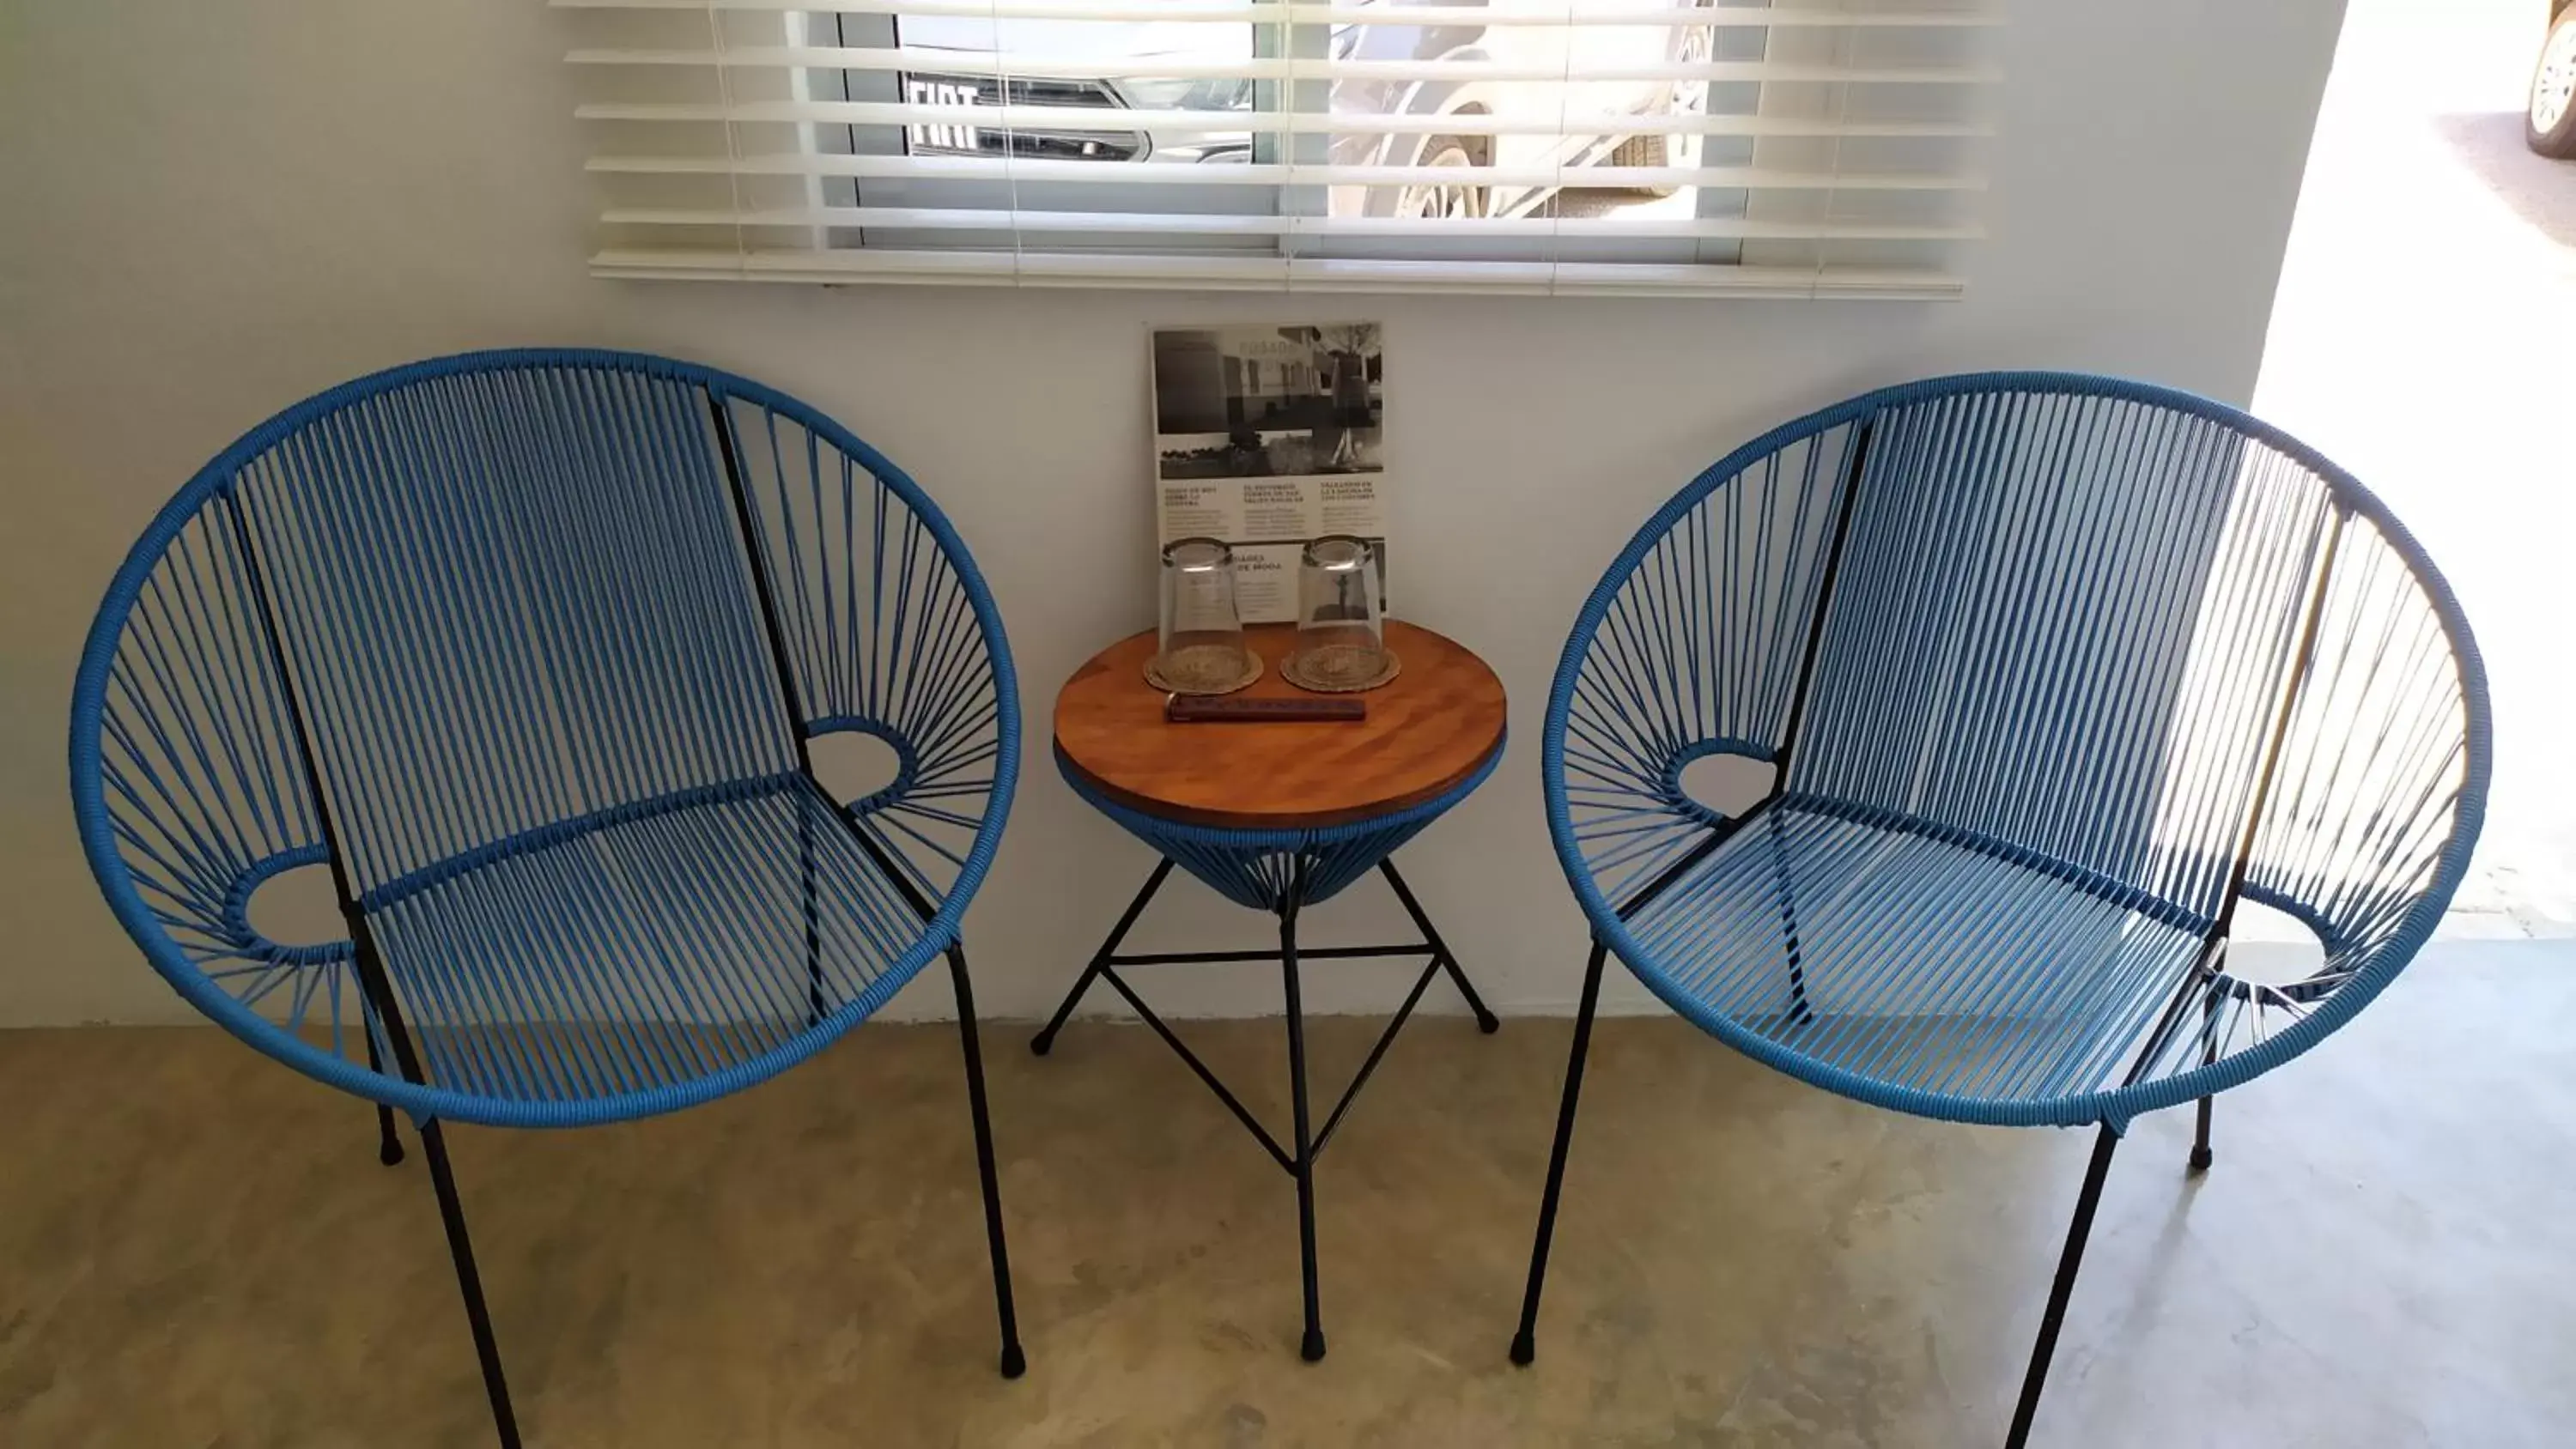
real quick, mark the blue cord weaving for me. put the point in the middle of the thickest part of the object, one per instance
(1258, 868)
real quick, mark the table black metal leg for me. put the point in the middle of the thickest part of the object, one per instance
(1485, 1020)
(1014, 1361)
(1045, 1039)
(1525, 1342)
(1298, 1155)
(1377, 1053)
(1311, 1348)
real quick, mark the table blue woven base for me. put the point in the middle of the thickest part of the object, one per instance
(1279, 873)
(2048, 674)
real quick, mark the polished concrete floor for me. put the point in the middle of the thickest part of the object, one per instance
(198, 1248)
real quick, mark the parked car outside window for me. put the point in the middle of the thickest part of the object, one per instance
(1185, 42)
(1526, 48)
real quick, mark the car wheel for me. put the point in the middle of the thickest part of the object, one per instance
(1441, 199)
(2549, 124)
(1694, 46)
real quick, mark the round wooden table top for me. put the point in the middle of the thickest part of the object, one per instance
(1427, 731)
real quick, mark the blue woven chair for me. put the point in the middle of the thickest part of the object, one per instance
(528, 649)
(2048, 674)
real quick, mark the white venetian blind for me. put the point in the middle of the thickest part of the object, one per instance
(1799, 148)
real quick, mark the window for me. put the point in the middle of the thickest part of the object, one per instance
(1807, 147)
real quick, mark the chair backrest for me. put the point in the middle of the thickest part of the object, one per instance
(2069, 623)
(509, 597)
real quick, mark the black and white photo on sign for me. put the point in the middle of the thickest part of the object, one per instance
(1268, 402)
(1266, 437)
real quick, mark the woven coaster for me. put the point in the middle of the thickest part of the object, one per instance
(1199, 670)
(1293, 670)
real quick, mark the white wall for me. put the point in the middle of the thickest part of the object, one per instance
(213, 210)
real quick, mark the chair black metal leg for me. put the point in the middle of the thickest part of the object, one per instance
(2200, 1154)
(1014, 1362)
(1525, 1342)
(379, 1004)
(1448, 961)
(1801, 1011)
(389, 1149)
(1311, 1348)
(451, 1212)
(2073, 1258)
(1100, 958)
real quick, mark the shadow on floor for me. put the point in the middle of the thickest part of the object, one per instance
(2540, 190)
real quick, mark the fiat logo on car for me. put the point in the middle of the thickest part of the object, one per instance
(946, 136)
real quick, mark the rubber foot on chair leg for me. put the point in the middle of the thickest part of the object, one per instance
(1524, 1352)
(1489, 1023)
(1040, 1044)
(1312, 1350)
(1014, 1362)
(390, 1153)
(2200, 1159)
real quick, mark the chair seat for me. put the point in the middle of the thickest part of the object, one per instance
(708, 937)
(1915, 967)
